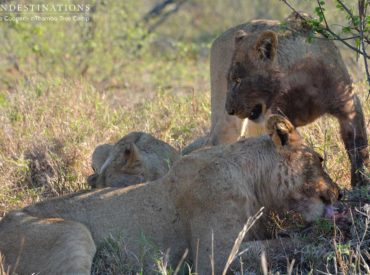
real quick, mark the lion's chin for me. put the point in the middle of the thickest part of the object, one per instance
(311, 209)
(242, 115)
(253, 115)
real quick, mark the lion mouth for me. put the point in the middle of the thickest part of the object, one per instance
(256, 112)
(127, 180)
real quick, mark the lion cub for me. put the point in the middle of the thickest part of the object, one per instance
(135, 158)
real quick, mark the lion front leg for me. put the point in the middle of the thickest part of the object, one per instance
(353, 132)
(226, 130)
(213, 232)
(45, 246)
(253, 129)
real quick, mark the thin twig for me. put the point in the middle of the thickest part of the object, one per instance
(323, 15)
(165, 16)
(234, 251)
(212, 256)
(346, 8)
(336, 36)
(181, 261)
(325, 30)
(361, 13)
(196, 258)
(264, 263)
(348, 11)
(290, 266)
(157, 9)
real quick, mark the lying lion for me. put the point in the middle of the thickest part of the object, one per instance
(206, 196)
(135, 158)
(266, 66)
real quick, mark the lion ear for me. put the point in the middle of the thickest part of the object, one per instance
(281, 131)
(239, 36)
(99, 156)
(266, 46)
(131, 154)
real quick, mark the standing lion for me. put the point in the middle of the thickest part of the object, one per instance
(267, 67)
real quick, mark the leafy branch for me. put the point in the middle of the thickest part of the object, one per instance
(354, 35)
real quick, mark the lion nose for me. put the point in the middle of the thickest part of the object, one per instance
(340, 195)
(230, 104)
(231, 112)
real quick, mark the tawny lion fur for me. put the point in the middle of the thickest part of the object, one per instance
(207, 195)
(268, 64)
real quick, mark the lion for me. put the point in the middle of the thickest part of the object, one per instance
(267, 67)
(201, 204)
(135, 158)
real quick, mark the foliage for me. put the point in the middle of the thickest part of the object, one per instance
(354, 33)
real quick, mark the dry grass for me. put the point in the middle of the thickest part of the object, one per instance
(3, 271)
(324, 247)
(50, 127)
(46, 145)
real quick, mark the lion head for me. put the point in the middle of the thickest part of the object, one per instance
(136, 158)
(304, 184)
(253, 79)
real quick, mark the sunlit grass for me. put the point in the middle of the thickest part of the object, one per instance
(51, 126)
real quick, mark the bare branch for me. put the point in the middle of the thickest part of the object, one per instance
(166, 15)
(157, 9)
